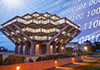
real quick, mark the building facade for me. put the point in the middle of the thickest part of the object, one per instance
(40, 33)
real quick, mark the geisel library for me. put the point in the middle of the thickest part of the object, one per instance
(40, 33)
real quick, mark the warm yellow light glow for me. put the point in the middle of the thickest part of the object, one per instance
(73, 59)
(82, 58)
(55, 61)
(62, 48)
(65, 68)
(79, 63)
(37, 45)
(51, 46)
(18, 67)
(51, 49)
(85, 48)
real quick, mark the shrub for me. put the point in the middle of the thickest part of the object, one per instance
(50, 57)
(1, 59)
(69, 53)
(11, 61)
(30, 60)
(79, 52)
(61, 56)
(14, 59)
(39, 58)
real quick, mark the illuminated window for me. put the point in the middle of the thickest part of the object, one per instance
(49, 37)
(25, 17)
(24, 29)
(12, 32)
(45, 22)
(61, 40)
(56, 39)
(31, 37)
(63, 32)
(25, 39)
(39, 29)
(45, 15)
(19, 39)
(57, 30)
(39, 21)
(30, 21)
(35, 15)
(17, 31)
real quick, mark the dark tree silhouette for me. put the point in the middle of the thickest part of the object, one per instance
(97, 45)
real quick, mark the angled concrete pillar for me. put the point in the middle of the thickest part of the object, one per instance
(16, 48)
(20, 49)
(27, 44)
(8, 37)
(18, 36)
(48, 48)
(32, 52)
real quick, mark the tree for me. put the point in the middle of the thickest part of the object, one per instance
(87, 42)
(97, 45)
(93, 48)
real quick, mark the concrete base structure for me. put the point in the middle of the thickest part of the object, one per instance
(41, 65)
(38, 49)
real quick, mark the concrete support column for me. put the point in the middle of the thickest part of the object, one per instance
(54, 48)
(16, 48)
(32, 52)
(59, 48)
(48, 48)
(26, 48)
(20, 49)
(64, 49)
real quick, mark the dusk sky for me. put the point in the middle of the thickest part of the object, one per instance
(85, 13)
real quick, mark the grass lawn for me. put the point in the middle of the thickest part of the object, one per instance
(89, 66)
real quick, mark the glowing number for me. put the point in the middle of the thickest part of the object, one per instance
(98, 10)
(93, 12)
(88, 14)
(85, 26)
(93, 2)
(90, 25)
(95, 24)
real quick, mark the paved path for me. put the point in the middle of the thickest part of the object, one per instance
(76, 64)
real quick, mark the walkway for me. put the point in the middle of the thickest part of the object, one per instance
(76, 64)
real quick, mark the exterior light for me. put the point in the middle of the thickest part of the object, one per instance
(82, 58)
(73, 59)
(85, 48)
(55, 61)
(51, 46)
(62, 48)
(18, 68)
(37, 45)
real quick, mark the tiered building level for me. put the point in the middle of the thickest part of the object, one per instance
(40, 33)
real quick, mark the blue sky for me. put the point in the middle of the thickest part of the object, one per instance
(12, 8)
